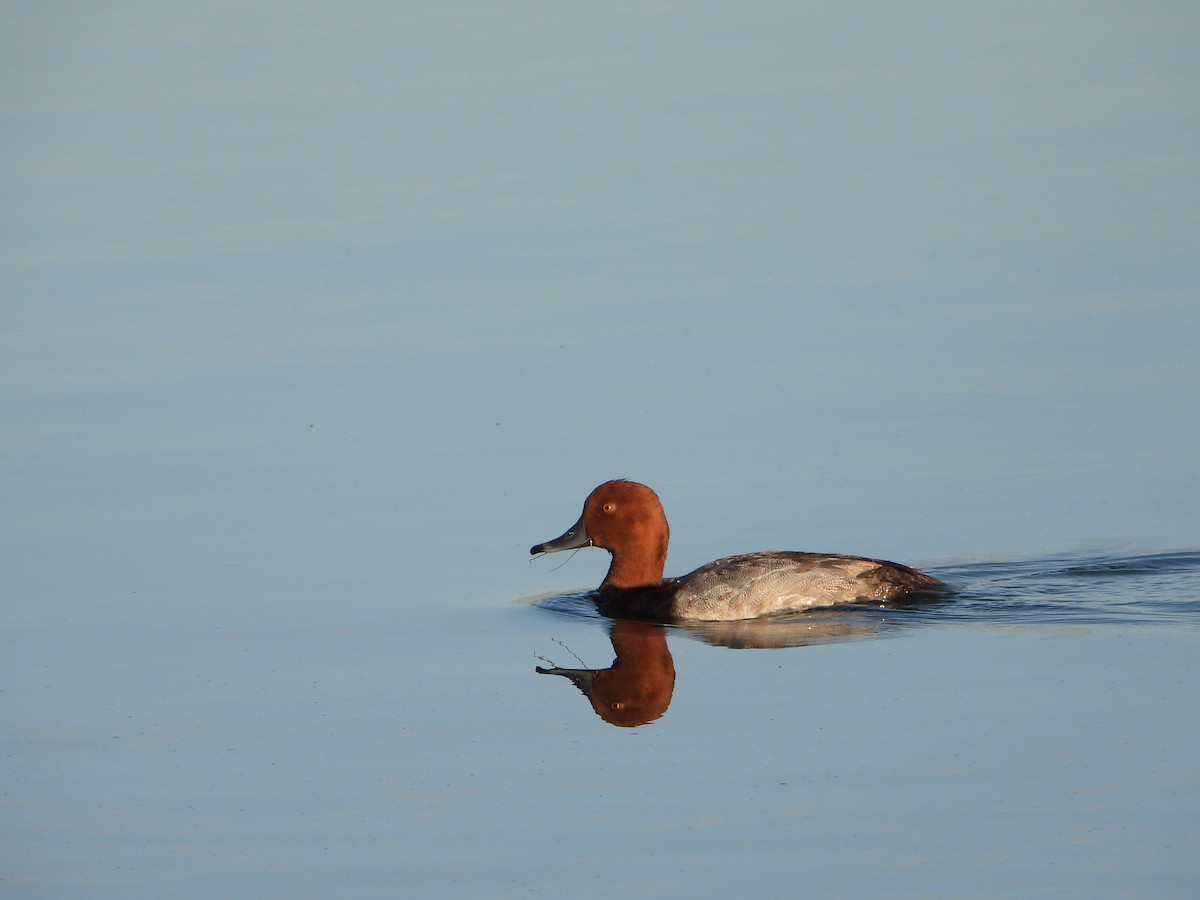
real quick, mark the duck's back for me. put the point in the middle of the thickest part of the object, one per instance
(759, 584)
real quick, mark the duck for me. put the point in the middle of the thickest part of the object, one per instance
(627, 519)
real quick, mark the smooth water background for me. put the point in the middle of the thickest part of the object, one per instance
(317, 316)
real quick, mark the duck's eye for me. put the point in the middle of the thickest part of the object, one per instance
(608, 507)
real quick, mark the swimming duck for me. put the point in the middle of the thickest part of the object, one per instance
(627, 519)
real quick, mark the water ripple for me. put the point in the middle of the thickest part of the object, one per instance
(1148, 589)
(1145, 589)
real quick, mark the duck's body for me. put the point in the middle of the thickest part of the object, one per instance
(627, 519)
(770, 582)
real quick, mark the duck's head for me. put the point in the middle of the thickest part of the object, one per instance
(626, 519)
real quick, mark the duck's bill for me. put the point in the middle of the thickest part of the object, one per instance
(584, 679)
(573, 538)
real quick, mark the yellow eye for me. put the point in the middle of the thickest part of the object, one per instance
(608, 507)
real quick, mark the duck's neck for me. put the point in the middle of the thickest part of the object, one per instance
(642, 567)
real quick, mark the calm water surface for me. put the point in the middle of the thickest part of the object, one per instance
(1034, 734)
(314, 318)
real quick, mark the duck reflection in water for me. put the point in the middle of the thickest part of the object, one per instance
(637, 687)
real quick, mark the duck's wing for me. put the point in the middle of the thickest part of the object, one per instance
(758, 584)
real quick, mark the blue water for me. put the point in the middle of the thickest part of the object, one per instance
(1034, 733)
(314, 318)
